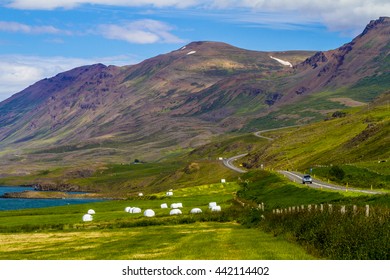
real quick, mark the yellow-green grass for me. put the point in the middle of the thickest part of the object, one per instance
(111, 212)
(220, 241)
(114, 234)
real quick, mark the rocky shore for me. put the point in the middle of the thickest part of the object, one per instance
(49, 194)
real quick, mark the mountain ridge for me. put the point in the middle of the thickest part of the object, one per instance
(182, 98)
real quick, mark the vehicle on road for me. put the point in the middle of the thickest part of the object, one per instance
(307, 179)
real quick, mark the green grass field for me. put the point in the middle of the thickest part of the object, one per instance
(114, 234)
(218, 241)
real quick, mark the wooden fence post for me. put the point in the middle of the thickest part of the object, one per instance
(354, 209)
(367, 210)
(342, 210)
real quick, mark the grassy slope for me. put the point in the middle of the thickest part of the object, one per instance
(361, 138)
(126, 180)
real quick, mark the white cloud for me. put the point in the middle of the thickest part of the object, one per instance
(18, 72)
(145, 31)
(69, 4)
(336, 15)
(11, 26)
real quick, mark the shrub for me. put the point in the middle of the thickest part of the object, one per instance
(335, 172)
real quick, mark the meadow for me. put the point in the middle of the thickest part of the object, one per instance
(114, 234)
(240, 231)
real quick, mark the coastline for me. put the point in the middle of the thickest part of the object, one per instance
(51, 195)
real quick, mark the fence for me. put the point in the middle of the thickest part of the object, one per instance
(320, 208)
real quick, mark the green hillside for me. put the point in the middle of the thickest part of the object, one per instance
(358, 137)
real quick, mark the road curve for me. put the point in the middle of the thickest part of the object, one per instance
(258, 133)
(296, 176)
(228, 162)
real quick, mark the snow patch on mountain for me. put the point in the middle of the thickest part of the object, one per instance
(283, 62)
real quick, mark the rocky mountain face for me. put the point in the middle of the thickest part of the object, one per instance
(364, 56)
(179, 99)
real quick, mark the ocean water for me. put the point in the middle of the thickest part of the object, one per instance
(22, 203)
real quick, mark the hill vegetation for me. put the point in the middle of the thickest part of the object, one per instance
(355, 139)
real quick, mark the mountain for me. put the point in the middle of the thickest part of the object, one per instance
(364, 56)
(137, 107)
(183, 98)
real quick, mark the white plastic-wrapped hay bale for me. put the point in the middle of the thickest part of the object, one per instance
(223, 181)
(140, 194)
(175, 212)
(149, 213)
(164, 206)
(87, 218)
(169, 193)
(135, 210)
(177, 205)
(128, 209)
(196, 211)
(91, 212)
(216, 208)
(212, 204)
(174, 206)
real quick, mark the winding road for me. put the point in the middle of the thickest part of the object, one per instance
(228, 162)
(293, 176)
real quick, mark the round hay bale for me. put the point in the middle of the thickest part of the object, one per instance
(87, 218)
(140, 194)
(128, 209)
(135, 210)
(212, 204)
(196, 211)
(164, 206)
(174, 206)
(179, 205)
(149, 213)
(169, 194)
(216, 208)
(175, 212)
(91, 211)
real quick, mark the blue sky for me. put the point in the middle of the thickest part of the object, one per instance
(40, 38)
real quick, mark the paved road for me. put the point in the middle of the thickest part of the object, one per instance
(294, 176)
(258, 133)
(297, 177)
(228, 162)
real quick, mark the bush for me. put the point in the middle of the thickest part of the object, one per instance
(336, 236)
(336, 173)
